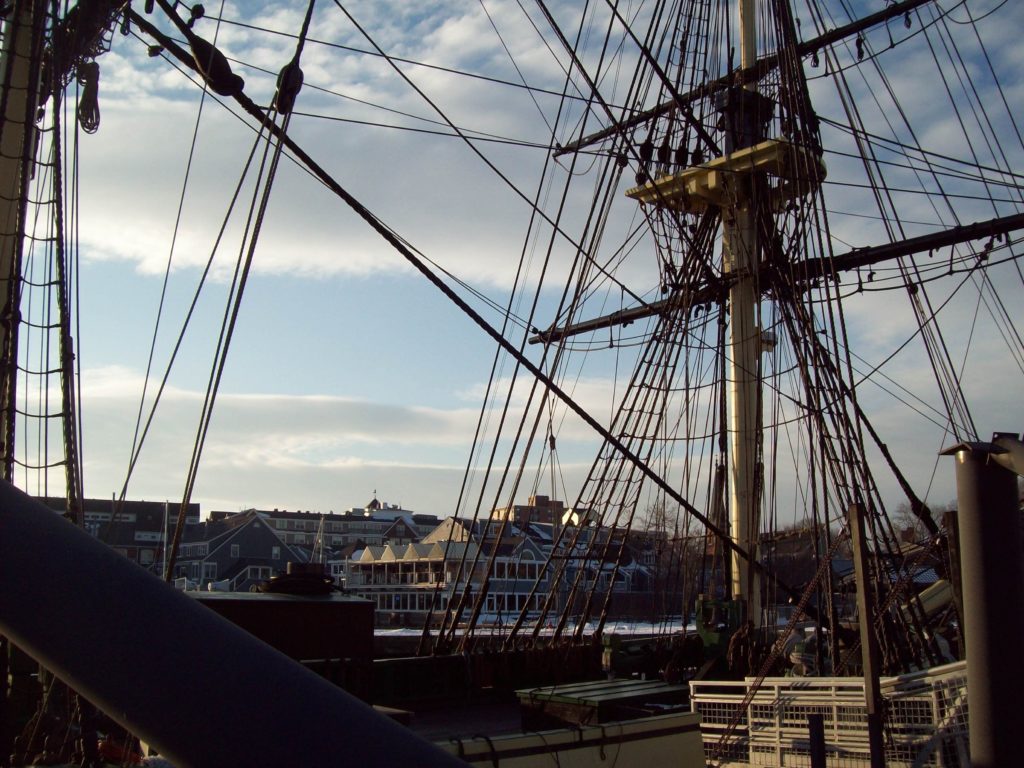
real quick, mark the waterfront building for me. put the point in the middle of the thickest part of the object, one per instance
(139, 530)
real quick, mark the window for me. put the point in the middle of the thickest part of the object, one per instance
(209, 571)
(234, 550)
(275, 553)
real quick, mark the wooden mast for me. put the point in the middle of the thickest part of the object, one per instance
(19, 90)
(739, 256)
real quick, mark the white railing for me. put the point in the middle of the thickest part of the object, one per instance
(925, 719)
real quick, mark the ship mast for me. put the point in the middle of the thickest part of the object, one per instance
(739, 257)
(19, 78)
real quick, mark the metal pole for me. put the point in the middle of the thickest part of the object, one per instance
(868, 641)
(993, 601)
(816, 740)
(168, 669)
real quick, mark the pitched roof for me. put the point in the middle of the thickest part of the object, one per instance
(400, 529)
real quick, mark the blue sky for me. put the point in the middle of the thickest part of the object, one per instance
(350, 374)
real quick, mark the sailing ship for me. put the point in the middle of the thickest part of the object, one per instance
(732, 201)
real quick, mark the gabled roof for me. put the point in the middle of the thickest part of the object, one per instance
(450, 529)
(544, 532)
(458, 549)
(400, 529)
(421, 551)
(349, 550)
(370, 554)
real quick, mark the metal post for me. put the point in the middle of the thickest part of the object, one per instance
(951, 523)
(868, 641)
(816, 740)
(993, 601)
(170, 670)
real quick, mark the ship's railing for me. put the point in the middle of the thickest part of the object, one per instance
(925, 719)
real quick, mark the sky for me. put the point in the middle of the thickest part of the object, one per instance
(349, 375)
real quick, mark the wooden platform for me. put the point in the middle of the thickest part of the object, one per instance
(599, 702)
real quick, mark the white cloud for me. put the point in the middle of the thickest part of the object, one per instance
(331, 450)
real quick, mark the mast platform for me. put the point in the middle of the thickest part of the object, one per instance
(709, 184)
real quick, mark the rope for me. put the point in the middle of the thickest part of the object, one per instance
(88, 76)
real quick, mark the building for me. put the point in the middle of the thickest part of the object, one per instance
(408, 582)
(233, 553)
(139, 530)
(375, 524)
(515, 566)
(540, 509)
(236, 551)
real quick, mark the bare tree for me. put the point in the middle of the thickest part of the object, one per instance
(909, 526)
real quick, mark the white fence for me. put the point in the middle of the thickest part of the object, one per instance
(925, 719)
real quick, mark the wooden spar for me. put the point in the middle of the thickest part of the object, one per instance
(146, 654)
(868, 641)
(744, 75)
(803, 271)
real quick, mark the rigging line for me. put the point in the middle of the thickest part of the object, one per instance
(567, 71)
(926, 192)
(998, 84)
(1001, 317)
(465, 596)
(537, 419)
(444, 638)
(238, 289)
(522, 78)
(919, 331)
(942, 171)
(137, 450)
(935, 343)
(136, 447)
(929, 274)
(38, 258)
(959, 75)
(879, 139)
(305, 169)
(74, 207)
(752, 74)
(73, 467)
(480, 136)
(372, 105)
(389, 236)
(234, 306)
(399, 59)
(477, 606)
(923, 26)
(683, 107)
(877, 217)
(970, 19)
(981, 112)
(507, 181)
(616, 258)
